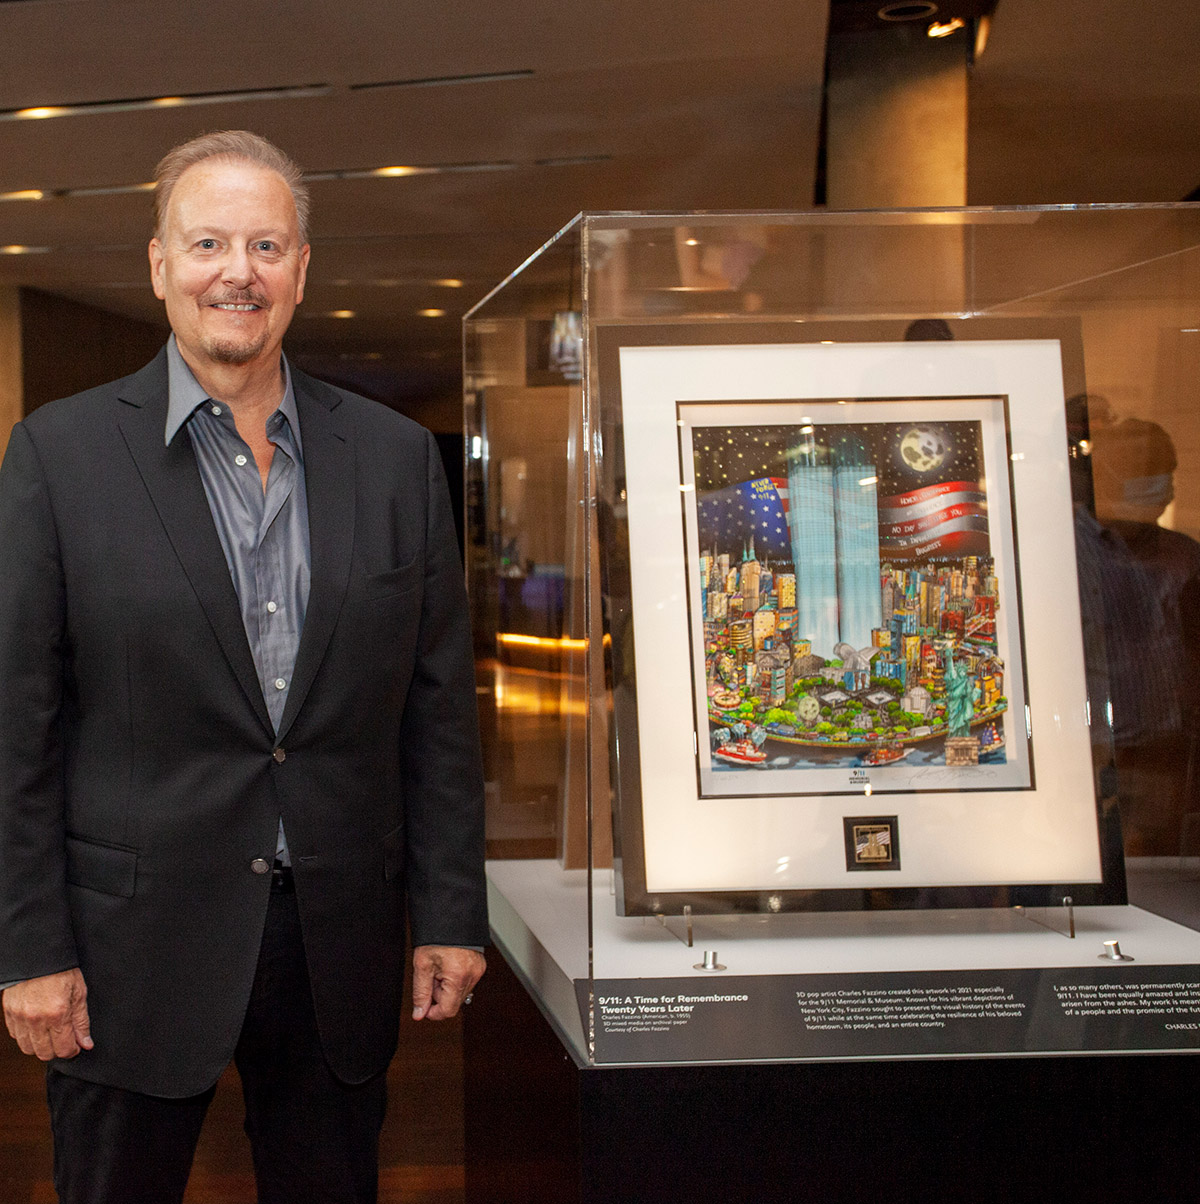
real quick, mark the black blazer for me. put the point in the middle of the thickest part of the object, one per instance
(139, 775)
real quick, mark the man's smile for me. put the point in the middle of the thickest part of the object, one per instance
(243, 301)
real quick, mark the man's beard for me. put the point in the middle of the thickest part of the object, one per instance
(227, 351)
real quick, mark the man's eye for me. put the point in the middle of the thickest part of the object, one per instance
(207, 244)
(264, 245)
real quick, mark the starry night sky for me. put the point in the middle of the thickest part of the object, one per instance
(725, 456)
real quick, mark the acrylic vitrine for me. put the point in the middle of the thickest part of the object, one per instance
(833, 585)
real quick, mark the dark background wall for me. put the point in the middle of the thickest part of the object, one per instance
(67, 346)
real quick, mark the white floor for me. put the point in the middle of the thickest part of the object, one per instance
(552, 905)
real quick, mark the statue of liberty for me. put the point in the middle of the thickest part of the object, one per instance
(958, 697)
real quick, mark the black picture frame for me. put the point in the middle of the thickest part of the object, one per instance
(633, 894)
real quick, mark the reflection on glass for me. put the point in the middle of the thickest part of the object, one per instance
(1150, 580)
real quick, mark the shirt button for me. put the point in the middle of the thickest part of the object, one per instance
(280, 756)
(216, 411)
(260, 865)
(239, 459)
(280, 684)
(271, 608)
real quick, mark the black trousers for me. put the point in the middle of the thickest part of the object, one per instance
(314, 1139)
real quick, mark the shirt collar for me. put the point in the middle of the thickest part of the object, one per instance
(185, 394)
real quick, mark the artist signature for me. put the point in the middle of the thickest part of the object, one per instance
(978, 772)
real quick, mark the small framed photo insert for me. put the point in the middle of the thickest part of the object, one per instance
(872, 842)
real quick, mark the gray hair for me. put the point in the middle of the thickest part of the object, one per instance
(228, 146)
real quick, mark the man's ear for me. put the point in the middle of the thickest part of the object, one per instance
(304, 254)
(156, 269)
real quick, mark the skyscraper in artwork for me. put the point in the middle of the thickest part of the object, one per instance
(834, 522)
(856, 523)
(814, 543)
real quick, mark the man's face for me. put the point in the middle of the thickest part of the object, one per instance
(229, 263)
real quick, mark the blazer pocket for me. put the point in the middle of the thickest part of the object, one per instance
(393, 853)
(395, 581)
(107, 868)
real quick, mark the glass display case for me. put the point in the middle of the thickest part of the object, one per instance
(834, 579)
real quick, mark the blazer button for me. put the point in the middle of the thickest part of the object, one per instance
(260, 865)
(280, 756)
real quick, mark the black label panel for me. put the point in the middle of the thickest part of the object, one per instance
(715, 1018)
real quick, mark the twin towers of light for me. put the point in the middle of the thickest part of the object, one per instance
(834, 520)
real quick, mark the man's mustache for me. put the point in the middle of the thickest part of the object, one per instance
(249, 297)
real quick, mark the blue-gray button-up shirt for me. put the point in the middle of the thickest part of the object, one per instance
(264, 534)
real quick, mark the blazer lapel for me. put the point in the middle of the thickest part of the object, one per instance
(172, 479)
(329, 479)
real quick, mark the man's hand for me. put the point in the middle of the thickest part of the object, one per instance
(443, 976)
(48, 1016)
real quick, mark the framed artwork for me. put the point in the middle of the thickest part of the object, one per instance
(839, 579)
(862, 558)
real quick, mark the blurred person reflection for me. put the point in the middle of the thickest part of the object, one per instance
(1149, 580)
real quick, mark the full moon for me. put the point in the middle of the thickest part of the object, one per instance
(923, 448)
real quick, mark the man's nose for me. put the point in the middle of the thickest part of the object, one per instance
(236, 266)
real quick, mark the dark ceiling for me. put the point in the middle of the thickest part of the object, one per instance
(523, 114)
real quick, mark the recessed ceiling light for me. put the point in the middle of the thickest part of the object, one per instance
(37, 194)
(691, 242)
(907, 10)
(448, 282)
(983, 27)
(434, 81)
(366, 173)
(431, 313)
(136, 103)
(340, 313)
(17, 248)
(109, 190)
(572, 160)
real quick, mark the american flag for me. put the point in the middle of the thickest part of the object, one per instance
(758, 508)
(947, 519)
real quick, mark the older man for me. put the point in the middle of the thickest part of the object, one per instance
(237, 737)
